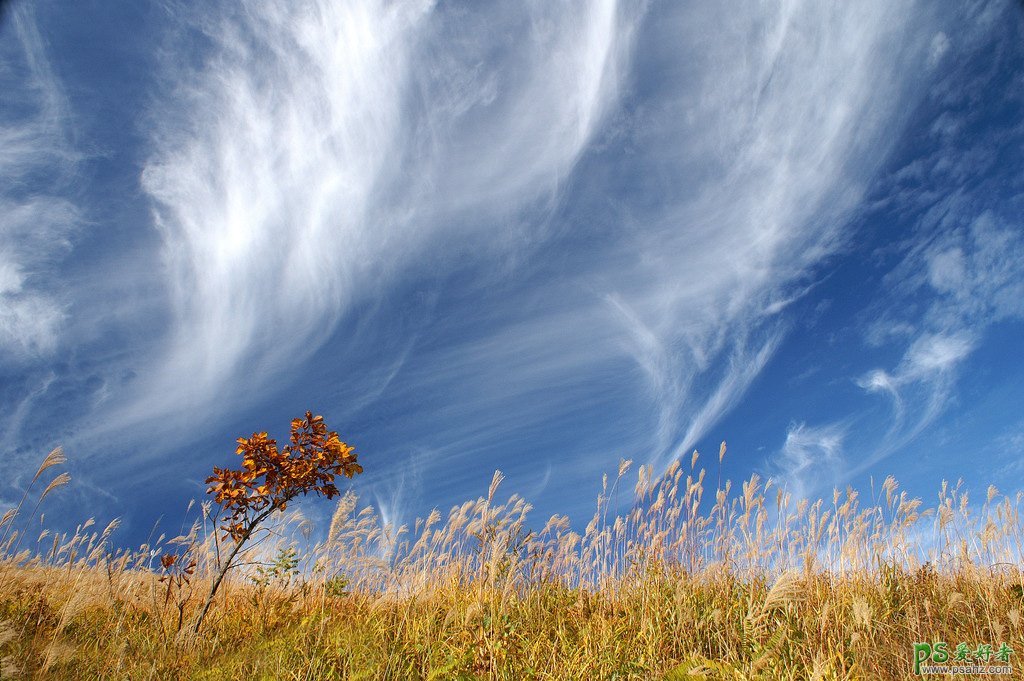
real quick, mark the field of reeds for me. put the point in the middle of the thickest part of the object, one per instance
(678, 577)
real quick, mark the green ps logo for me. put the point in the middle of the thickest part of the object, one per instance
(924, 652)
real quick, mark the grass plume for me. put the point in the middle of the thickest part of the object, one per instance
(683, 581)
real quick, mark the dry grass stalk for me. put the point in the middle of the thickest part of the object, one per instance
(748, 585)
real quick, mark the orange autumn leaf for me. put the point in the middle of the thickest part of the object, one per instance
(271, 477)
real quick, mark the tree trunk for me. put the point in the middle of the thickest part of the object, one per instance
(227, 565)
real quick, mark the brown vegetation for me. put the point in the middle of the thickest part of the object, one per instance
(751, 585)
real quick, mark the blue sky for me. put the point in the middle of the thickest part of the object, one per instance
(534, 237)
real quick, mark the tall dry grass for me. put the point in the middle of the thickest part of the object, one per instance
(681, 581)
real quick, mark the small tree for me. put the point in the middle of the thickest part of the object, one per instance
(270, 478)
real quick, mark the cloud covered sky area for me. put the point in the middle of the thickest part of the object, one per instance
(536, 237)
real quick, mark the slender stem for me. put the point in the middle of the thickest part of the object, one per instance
(228, 564)
(216, 535)
(17, 511)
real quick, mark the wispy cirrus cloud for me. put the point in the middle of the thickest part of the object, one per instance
(318, 153)
(811, 459)
(743, 184)
(497, 225)
(957, 271)
(316, 157)
(972, 277)
(960, 273)
(36, 221)
(767, 151)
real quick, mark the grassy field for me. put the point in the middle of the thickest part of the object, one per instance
(690, 580)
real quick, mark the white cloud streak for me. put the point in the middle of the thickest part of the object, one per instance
(320, 154)
(973, 277)
(35, 224)
(811, 459)
(320, 150)
(770, 147)
(961, 270)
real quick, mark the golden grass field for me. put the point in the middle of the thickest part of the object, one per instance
(693, 580)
